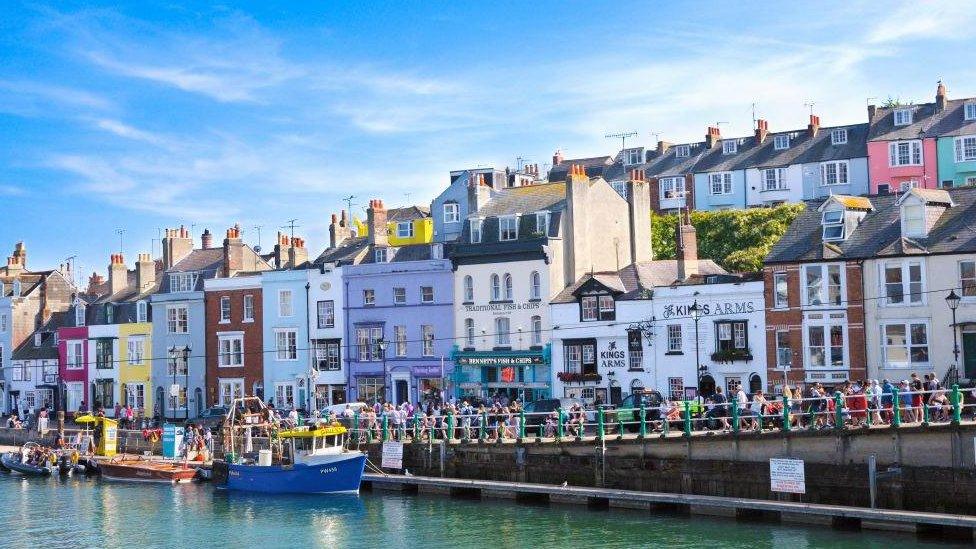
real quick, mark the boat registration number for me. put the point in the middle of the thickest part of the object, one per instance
(328, 470)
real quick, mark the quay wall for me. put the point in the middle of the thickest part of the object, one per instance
(921, 469)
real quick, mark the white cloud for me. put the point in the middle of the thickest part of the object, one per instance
(124, 130)
(915, 20)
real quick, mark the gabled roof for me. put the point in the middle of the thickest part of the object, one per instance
(929, 196)
(595, 166)
(848, 202)
(633, 280)
(879, 233)
(349, 251)
(526, 199)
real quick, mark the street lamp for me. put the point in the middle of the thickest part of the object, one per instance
(696, 313)
(186, 399)
(381, 344)
(953, 301)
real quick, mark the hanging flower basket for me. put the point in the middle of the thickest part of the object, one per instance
(578, 377)
(732, 355)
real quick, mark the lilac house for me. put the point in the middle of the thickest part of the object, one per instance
(399, 316)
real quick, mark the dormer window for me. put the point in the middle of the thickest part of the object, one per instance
(969, 111)
(597, 307)
(38, 337)
(833, 225)
(475, 231)
(508, 228)
(913, 220)
(16, 288)
(379, 255)
(142, 311)
(632, 156)
(542, 222)
(903, 117)
(682, 151)
(838, 137)
(182, 282)
(781, 142)
(729, 146)
(405, 229)
(109, 314)
(79, 313)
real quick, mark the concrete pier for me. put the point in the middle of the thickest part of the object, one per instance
(935, 525)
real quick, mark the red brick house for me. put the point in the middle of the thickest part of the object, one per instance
(813, 285)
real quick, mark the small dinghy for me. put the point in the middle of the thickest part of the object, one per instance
(134, 469)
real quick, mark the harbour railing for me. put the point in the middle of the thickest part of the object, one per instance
(838, 412)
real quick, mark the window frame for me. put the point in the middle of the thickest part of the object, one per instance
(682, 151)
(426, 294)
(543, 227)
(908, 297)
(325, 319)
(730, 146)
(675, 337)
(671, 188)
(779, 183)
(503, 335)
(906, 115)
(399, 340)
(224, 309)
(286, 305)
(247, 314)
(963, 285)
(475, 227)
(467, 286)
(835, 140)
(778, 343)
(504, 231)
(233, 355)
(369, 297)
(781, 142)
(408, 233)
(535, 286)
(399, 295)
(427, 337)
(824, 286)
(908, 346)
(723, 179)
(173, 324)
(839, 166)
(827, 325)
(289, 351)
(963, 152)
(733, 328)
(969, 111)
(452, 213)
(778, 303)
(915, 153)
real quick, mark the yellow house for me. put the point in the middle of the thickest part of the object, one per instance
(135, 362)
(405, 226)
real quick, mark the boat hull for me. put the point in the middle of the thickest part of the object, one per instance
(11, 462)
(146, 472)
(341, 474)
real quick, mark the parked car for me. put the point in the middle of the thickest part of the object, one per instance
(629, 409)
(212, 418)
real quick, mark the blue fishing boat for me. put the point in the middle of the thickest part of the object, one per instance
(302, 460)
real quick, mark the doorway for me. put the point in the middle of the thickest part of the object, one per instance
(401, 391)
(969, 354)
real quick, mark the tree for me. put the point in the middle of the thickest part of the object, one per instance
(738, 240)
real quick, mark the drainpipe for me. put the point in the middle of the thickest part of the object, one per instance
(346, 339)
(308, 346)
(864, 315)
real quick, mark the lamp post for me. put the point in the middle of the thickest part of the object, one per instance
(381, 344)
(186, 387)
(952, 300)
(695, 312)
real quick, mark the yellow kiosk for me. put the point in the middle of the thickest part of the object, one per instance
(107, 433)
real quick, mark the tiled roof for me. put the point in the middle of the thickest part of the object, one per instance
(879, 233)
(595, 167)
(349, 251)
(48, 350)
(527, 199)
(200, 259)
(407, 213)
(632, 279)
(401, 254)
(854, 202)
(930, 196)
(927, 121)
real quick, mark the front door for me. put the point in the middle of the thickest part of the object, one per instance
(401, 391)
(615, 395)
(969, 354)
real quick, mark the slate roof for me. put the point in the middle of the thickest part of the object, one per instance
(408, 213)
(879, 233)
(635, 278)
(48, 350)
(595, 166)
(401, 254)
(349, 251)
(926, 122)
(669, 164)
(28, 281)
(527, 199)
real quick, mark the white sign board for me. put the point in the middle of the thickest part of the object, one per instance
(786, 475)
(392, 455)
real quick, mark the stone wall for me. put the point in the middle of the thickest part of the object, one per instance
(933, 468)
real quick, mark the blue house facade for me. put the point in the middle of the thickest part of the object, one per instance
(287, 366)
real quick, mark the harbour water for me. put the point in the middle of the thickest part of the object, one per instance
(82, 512)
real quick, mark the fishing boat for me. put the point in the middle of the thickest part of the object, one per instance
(20, 461)
(302, 460)
(137, 469)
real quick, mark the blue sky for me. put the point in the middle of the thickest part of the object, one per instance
(154, 114)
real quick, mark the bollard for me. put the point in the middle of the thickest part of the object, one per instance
(687, 432)
(735, 415)
(786, 414)
(838, 411)
(521, 424)
(599, 424)
(386, 428)
(956, 404)
(450, 428)
(896, 409)
(481, 428)
(643, 421)
(559, 426)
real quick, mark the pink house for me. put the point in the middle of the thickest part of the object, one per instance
(73, 366)
(902, 150)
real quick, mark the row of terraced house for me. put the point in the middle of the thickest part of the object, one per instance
(530, 284)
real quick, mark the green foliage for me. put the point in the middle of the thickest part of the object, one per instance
(891, 102)
(736, 239)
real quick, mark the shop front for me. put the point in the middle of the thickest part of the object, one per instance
(522, 375)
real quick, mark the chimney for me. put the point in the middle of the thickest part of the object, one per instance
(557, 158)
(478, 192)
(663, 147)
(233, 252)
(206, 239)
(94, 281)
(376, 220)
(281, 250)
(687, 247)
(814, 126)
(639, 208)
(145, 271)
(762, 130)
(20, 252)
(177, 244)
(577, 172)
(713, 136)
(941, 99)
(338, 230)
(871, 110)
(579, 209)
(118, 275)
(297, 253)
